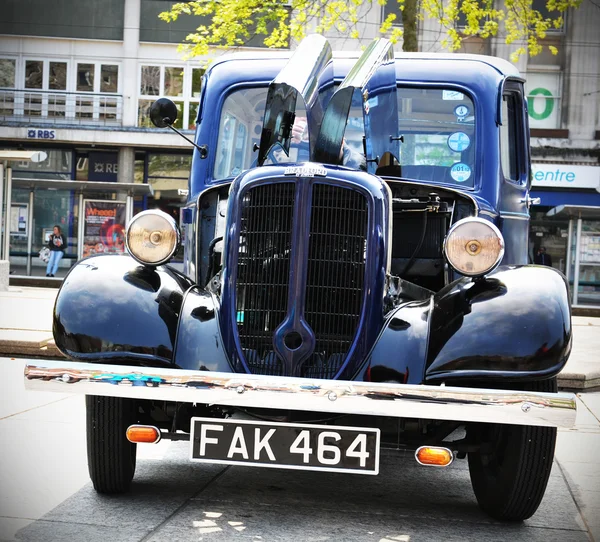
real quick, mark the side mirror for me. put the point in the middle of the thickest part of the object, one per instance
(163, 113)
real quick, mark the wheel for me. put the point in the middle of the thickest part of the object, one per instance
(111, 457)
(510, 473)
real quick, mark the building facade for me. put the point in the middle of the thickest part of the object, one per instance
(77, 81)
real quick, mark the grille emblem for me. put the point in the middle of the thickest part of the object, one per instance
(306, 171)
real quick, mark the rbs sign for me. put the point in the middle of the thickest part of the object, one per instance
(36, 133)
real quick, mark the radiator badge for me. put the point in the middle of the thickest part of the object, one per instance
(306, 171)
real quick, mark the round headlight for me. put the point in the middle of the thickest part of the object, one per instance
(152, 237)
(474, 246)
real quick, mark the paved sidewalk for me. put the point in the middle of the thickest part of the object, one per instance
(26, 324)
(577, 452)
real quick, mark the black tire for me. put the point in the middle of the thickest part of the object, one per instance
(510, 477)
(111, 457)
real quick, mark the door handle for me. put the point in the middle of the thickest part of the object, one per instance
(529, 201)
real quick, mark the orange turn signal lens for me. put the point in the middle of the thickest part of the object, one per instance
(143, 434)
(434, 455)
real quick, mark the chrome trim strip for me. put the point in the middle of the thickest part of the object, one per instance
(514, 216)
(335, 396)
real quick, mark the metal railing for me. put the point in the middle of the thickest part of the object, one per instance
(41, 106)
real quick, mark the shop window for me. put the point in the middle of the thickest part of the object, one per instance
(138, 168)
(174, 166)
(182, 85)
(57, 165)
(543, 99)
(168, 175)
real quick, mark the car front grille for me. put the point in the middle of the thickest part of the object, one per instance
(335, 271)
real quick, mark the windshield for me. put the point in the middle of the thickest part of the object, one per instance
(239, 134)
(437, 127)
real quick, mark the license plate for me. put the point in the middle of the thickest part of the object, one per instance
(285, 445)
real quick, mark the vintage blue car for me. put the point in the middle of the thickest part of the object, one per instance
(355, 278)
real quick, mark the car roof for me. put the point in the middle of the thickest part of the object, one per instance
(428, 65)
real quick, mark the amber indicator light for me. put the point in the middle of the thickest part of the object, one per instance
(143, 434)
(434, 455)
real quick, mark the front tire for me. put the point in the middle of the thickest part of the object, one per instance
(510, 473)
(111, 457)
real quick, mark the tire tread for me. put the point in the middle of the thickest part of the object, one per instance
(111, 457)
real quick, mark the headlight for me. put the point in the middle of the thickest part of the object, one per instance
(474, 246)
(152, 237)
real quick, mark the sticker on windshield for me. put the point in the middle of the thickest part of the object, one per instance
(460, 172)
(459, 141)
(461, 111)
(452, 95)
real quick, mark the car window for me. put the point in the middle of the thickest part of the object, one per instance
(509, 139)
(438, 129)
(240, 128)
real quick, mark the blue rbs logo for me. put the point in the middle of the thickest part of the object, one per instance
(33, 133)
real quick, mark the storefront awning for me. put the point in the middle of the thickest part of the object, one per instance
(132, 189)
(576, 211)
(549, 198)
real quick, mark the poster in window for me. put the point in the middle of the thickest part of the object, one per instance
(18, 219)
(104, 227)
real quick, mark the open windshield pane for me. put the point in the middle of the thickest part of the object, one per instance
(438, 127)
(239, 131)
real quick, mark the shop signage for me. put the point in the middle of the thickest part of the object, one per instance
(565, 176)
(38, 133)
(543, 98)
(104, 227)
(103, 166)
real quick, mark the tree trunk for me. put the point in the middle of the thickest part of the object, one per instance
(409, 21)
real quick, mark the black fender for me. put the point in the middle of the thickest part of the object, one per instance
(514, 324)
(199, 342)
(111, 309)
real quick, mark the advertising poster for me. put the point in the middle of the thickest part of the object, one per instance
(104, 227)
(18, 218)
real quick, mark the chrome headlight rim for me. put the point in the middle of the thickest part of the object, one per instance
(492, 227)
(172, 224)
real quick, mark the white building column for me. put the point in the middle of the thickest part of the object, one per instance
(131, 43)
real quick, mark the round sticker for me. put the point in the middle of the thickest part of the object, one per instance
(459, 141)
(460, 172)
(461, 111)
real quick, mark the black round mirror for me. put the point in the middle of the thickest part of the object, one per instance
(163, 113)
